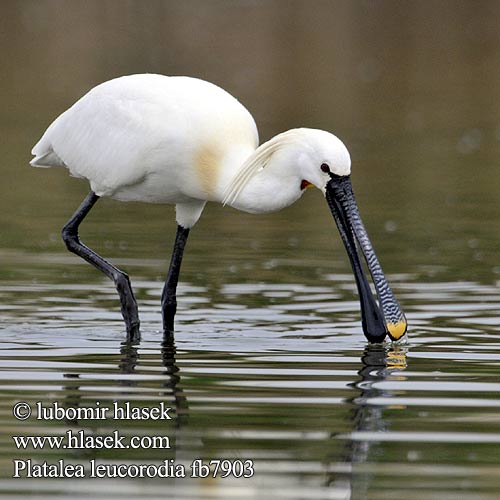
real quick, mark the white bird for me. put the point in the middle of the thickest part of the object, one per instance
(185, 141)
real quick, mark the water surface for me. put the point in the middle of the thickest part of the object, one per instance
(269, 362)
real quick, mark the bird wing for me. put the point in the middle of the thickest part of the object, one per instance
(144, 127)
(95, 139)
(110, 136)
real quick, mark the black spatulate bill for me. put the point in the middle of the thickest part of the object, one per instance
(377, 322)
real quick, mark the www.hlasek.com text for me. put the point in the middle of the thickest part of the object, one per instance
(87, 440)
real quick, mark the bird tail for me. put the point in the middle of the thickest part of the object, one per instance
(46, 159)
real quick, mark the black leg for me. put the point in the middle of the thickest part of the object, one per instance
(121, 280)
(168, 297)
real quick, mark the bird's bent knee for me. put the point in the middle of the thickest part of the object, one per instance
(70, 237)
(121, 278)
(122, 281)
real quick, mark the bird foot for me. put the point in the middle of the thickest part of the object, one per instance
(133, 332)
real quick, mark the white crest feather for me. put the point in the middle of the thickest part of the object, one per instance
(256, 162)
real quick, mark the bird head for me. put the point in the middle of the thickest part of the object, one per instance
(301, 158)
(324, 162)
(318, 154)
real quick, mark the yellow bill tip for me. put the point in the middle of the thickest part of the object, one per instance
(396, 330)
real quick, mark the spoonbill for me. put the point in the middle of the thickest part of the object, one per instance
(182, 140)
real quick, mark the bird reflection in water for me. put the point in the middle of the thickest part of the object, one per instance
(379, 363)
(79, 395)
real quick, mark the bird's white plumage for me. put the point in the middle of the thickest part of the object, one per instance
(182, 140)
(150, 138)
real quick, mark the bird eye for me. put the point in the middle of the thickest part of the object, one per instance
(325, 168)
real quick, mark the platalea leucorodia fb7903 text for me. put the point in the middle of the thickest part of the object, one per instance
(185, 141)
